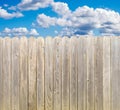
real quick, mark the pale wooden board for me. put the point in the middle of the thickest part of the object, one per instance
(6, 74)
(65, 73)
(40, 73)
(48, 73)
(118, 72)
(90, 73)
(73, 72)
(82, 74)
(15, 73)
(98, 75)
(32, 71)
(114, 73)
(1, 74)
(57, 73)
(23, 73)
(106, 73)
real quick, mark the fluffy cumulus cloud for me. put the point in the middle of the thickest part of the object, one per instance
(46, 21)
(6, 15)
(32, 4)
(61, 8)
(83, 21)
(21, 31)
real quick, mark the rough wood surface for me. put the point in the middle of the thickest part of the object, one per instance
(90, 73)
(15, 73)
(118, 73)
(77, 73)
(65, 73)
(6, 64)
(98, 75)
(32, 71)
(73, 73)
(1, 74)
(57, 47)
(115, 73)
(82, 74)
(40, 74)
(49, 74)
(23, 73)
(106, 73)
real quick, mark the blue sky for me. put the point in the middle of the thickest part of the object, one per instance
(59, 17)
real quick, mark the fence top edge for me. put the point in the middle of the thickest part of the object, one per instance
(50, 37)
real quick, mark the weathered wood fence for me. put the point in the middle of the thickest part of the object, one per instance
(60, 73)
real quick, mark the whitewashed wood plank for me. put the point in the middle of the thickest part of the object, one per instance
(6, 73)
(32, 71)
(15, 73)
(48, 73)
(23, 73)
(40, 74)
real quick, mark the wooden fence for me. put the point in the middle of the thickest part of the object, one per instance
(60, 73)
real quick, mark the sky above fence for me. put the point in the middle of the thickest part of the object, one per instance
(59, 17)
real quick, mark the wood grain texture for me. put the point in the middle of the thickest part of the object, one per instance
(106, 73)
(60, 73)
(49, 73)
(82, 74)
(40, 74)
(118, 73)
(32, 71)
(1, 74)
(23, 73)
(15, 73)
(90, 73)
(57, 47)
(98, 75)
(115, 73)
(6, 74)
(65, 73)
(73, 72)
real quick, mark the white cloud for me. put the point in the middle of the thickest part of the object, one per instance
(112, 29)
(33, 32)
(46, 21)
(61, 8)
(69, 31)
(83, 21)
(32, 4)
(6, 15)
(21, 31)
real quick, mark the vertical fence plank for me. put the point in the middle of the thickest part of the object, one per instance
(114, 73)
(73, 73)
(40, 74)
(90, 73)
(15, 73)
(106, 73)
(6, 74)
(48, 74)
(82, 74)
(119, 73)
(65, 73)
(23, 73)
(57, 73)
(1, 74)
(98, 73)
(32, 70)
